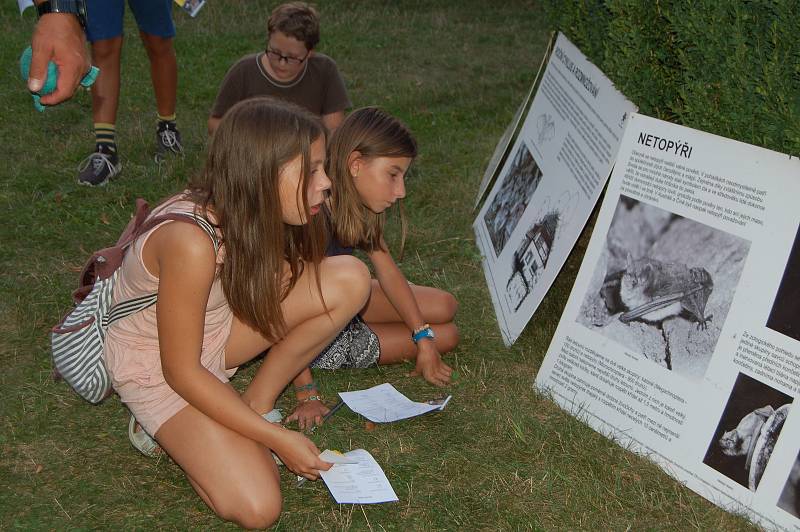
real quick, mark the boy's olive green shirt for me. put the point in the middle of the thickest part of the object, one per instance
(319, 88)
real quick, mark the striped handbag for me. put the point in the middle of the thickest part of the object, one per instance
(77, 341)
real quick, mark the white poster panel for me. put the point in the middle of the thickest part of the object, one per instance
(549, 184)
(681, 337)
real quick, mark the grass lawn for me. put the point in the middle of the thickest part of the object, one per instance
(499, 457)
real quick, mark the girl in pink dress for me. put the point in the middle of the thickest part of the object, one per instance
(267, 285)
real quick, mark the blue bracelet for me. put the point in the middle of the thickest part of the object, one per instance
(427, 332)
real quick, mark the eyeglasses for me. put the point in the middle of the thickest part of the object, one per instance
(277, 56)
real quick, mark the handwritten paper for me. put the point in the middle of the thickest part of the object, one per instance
(384, 404)
(356, 478)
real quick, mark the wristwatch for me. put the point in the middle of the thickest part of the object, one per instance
(76, 7)
(423, 332)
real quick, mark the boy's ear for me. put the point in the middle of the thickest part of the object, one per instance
(354, 162)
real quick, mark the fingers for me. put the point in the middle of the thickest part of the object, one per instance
(68, 80)
(59, 38)
(312, 473)
(38, 70)
(322, 465)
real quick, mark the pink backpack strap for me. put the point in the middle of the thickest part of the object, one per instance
(105, 262)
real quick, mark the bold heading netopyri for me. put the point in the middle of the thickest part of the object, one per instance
(679, 148)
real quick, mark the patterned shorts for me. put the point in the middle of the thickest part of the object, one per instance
(355, 347)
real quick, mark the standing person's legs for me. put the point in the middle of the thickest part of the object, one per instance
(104, 31)
(157, 31)
(106, 55)
(163, 71)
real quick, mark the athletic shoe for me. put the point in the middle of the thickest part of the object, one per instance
(168, 141)
(98, 168)
(142, 441)
(274, 416)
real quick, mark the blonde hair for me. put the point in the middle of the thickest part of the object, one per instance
(239, 185)
(373, 133)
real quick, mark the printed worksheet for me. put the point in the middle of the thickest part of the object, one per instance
(358, 481)
(384, 404)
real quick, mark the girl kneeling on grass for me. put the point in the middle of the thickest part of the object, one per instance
(266, 287)
(368, 157)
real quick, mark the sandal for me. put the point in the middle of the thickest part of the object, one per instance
(141, 440)
(274, 416)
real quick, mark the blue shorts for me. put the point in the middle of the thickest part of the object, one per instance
(104, 18)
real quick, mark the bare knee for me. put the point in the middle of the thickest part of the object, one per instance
(157, 47)
(252, 511)
(442, 308)
(346, 282)
(106, 49)
(446, 337)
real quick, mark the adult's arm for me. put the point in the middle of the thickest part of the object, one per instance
(58, 37)
(182, 257)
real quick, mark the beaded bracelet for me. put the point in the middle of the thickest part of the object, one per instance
(311, 398)
(420, 329)
(306, 387)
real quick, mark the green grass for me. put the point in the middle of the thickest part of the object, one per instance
(499, 457)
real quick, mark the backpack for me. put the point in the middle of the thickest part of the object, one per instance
(77, 341)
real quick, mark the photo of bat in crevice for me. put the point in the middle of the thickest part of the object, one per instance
(652, 291)
(663, 285)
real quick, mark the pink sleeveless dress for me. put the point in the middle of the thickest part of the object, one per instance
(131, 350)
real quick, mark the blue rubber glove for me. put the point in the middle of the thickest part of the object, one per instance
(52, 77)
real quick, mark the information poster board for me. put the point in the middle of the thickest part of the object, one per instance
(680, 338)
(549, 184)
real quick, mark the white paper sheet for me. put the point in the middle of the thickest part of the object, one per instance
(362, 482)
(384, 404)
(335, 457)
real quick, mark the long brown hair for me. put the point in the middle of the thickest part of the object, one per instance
(372, 132)
(239, 185)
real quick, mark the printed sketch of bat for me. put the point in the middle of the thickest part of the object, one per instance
(652, 291)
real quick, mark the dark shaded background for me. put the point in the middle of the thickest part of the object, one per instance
(747, 395)
(785, 314)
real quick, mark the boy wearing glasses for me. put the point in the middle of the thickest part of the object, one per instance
(289, 69)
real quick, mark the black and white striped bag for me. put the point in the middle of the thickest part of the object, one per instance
(77, 342)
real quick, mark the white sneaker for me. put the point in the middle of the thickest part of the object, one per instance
(274, 416)
(141, 440)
